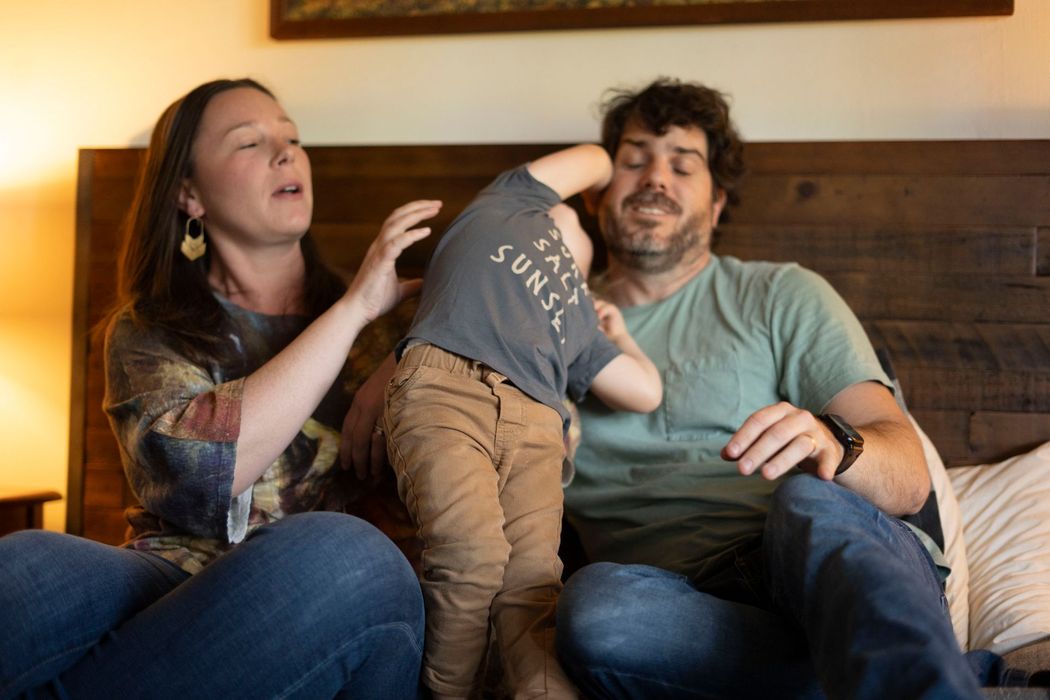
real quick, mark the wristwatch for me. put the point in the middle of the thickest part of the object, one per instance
(852, 442)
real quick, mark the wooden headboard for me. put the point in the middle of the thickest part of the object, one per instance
(941, 248)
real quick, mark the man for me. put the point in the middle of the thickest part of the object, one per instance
(751, 515)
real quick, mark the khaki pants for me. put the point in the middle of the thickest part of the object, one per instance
(478, 465)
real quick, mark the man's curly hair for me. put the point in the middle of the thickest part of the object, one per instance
(667, 102)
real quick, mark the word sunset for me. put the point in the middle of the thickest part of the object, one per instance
(549, 272)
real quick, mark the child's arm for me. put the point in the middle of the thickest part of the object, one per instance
(631, 381)
(573, 170)
(574, 237)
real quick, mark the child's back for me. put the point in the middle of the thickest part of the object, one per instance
(502, 288)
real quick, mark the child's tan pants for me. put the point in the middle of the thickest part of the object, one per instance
(478, 465)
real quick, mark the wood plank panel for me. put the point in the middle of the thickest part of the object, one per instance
(992, 200)
(966, 438)
(113, 199)
(117, 163)
(948, 430)
(104, 488)
(1042, 258)
(997, 435)
(86, 160)
(1002, 157)
(990, 390)
(1021, 348)
(106, 525)
(893, 249)
(944, 297)
(106, 238)
(95, 387)
(371, 201)
(988, 346)
(102, 453)
(478, 161)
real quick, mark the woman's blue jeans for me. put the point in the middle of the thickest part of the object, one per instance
(316, 605)
(849, 606)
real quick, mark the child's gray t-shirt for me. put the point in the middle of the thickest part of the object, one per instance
(502, 288)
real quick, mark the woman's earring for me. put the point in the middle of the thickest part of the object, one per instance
(193, 247)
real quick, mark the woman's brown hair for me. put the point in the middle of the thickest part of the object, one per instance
(158, 286)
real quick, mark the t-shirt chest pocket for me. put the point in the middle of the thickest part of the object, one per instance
(702, 398)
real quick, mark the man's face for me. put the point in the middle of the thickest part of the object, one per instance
(660, 207)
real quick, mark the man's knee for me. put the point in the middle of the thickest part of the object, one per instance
(602, 606)
(804, 497)
(584, 620)
(592, 586)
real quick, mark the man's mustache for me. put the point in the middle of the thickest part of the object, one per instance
(647, 198)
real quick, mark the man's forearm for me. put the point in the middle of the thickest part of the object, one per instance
(891, 473)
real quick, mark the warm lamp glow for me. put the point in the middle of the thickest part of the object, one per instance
(34, 392)
(8, 392)
(28, 149)
(30, 409)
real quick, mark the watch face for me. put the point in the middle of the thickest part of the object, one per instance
(851, 440)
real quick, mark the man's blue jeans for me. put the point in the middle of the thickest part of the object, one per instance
(316, 605)
(849, 606)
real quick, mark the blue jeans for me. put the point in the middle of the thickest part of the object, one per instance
(848, 606)
(316, 605)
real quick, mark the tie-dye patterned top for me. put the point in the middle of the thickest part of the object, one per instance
(177, 424)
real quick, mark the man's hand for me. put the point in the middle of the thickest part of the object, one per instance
(776, 439)
(891, 473)
(363, 444)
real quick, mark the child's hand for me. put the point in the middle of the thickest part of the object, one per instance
(610, 320)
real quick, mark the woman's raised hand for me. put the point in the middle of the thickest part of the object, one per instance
(376, 286)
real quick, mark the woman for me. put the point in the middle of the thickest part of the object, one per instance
(223, 377)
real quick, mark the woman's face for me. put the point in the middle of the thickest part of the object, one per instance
(251, 178)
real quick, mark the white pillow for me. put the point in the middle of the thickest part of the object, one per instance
(957, 587)
(1006, 519)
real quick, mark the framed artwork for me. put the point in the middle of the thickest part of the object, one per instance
(315, 19)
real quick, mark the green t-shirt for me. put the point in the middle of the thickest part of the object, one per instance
(651, 488)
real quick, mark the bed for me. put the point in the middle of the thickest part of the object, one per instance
(942, 248)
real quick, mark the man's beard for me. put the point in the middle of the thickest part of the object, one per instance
(640, 249)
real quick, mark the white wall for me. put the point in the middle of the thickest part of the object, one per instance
(99, 73)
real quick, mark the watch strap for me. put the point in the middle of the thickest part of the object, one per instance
(851, 441)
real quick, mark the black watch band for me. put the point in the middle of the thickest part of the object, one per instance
(852, 442)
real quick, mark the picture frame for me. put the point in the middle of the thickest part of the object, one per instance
(321, 19)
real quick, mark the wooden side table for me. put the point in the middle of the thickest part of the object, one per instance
(23, 509)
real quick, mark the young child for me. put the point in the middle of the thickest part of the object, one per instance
(475, 421)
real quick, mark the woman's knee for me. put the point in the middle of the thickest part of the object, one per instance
(350, 563)
(23, 555)
(62, 593)
(31, 545)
